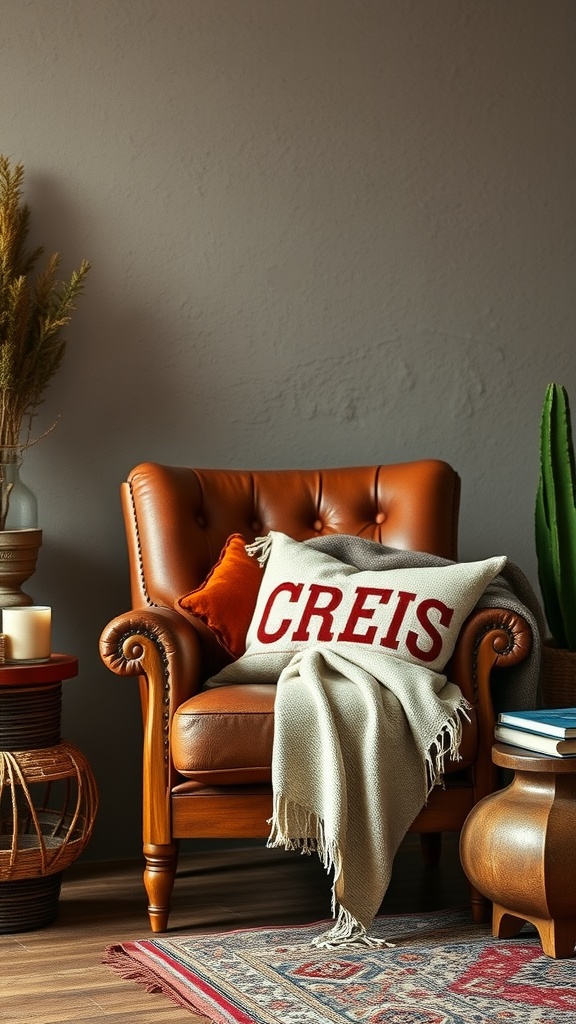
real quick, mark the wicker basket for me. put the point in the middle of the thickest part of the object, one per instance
(53, 841)
(36, 837)
(558, 676)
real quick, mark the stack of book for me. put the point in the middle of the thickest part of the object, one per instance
(549, 731)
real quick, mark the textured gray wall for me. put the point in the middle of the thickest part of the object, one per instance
(322, 232)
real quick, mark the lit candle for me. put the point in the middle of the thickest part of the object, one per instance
(27, 633)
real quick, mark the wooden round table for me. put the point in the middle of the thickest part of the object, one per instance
(48, 796)
(518, 848)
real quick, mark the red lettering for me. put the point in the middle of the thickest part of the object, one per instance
(323, 611)
(390, 640)
(445, 618)
(294, 590)
(359, 611)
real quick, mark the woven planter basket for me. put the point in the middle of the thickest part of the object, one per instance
(558, 676)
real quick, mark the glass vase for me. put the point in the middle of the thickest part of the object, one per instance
(18, 505)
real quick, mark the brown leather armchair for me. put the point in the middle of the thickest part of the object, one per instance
(211, 777)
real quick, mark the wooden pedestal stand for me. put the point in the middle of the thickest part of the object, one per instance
(517, 849)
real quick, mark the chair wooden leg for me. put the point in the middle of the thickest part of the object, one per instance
(431, 846)
(481, 907)
(159, 875)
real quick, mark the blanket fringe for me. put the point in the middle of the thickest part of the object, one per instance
(294, 827)
(436, 756)
(260, 549)
(348, 932)
(291, 819)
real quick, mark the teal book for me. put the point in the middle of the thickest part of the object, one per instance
(559, 722)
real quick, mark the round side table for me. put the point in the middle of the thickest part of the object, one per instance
(517, 848)
(48, 795)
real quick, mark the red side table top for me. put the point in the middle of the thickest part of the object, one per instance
(60, 666)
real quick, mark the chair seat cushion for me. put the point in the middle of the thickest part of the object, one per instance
(224, 736)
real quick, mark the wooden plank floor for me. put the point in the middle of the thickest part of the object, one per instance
(55, 974)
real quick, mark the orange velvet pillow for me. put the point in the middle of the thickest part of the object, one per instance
(225, 602)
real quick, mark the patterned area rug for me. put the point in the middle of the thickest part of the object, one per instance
(444, 969)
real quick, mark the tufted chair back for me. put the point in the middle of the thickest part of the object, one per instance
(178, 519)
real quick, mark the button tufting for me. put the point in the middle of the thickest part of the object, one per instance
(256, 526)
(380, 518)
(318, 524)
(200, 520)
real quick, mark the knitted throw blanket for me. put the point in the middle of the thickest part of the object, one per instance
(357, 746)
(361, 734)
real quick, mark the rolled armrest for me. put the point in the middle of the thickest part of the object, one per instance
(128, 642)
(491, 638)
(163, 649)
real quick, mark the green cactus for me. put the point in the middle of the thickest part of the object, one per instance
(556, 518)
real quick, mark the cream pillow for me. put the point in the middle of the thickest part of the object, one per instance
(308, 598)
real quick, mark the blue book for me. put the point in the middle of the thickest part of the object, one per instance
(559, 722)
